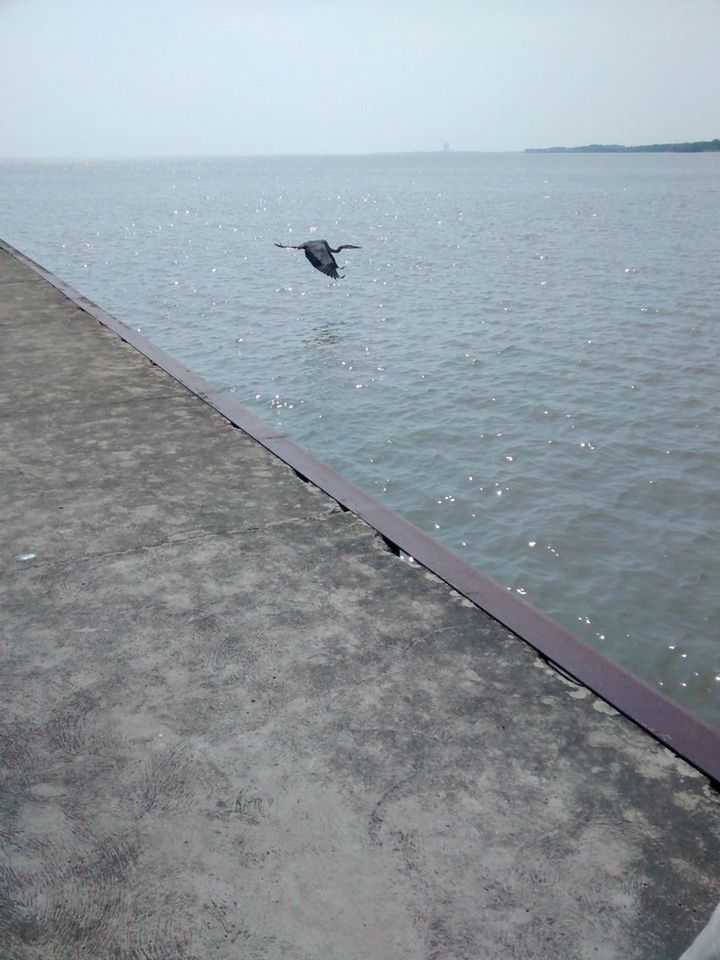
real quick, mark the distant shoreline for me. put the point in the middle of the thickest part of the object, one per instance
(696, 146)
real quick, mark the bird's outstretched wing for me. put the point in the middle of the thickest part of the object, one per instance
(323, 261)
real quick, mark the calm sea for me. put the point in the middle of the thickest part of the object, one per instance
(522, 358)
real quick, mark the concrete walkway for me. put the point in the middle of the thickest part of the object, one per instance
(235, 725)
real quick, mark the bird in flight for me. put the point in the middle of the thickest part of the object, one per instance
(320, 255)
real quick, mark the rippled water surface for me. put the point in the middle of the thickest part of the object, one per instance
(522, 359)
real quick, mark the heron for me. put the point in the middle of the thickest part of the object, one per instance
(320, 255)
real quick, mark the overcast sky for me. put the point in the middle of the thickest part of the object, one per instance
(171, 77)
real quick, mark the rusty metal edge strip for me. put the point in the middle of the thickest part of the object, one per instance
(684, 733)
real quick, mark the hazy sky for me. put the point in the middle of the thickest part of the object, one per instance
(169, 77)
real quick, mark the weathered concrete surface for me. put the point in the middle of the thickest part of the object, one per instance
(236, 726)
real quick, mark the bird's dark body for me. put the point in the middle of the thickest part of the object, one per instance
(320, 255)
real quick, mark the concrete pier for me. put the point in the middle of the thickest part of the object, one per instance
(236, 725)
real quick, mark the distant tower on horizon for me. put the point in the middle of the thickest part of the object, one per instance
(446, 147)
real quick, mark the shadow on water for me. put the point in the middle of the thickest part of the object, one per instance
(327, 334)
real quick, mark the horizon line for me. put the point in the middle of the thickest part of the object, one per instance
(241, 156)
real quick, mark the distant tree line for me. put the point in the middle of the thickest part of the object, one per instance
(697, 146)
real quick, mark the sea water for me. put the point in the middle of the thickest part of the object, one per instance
(522, 359)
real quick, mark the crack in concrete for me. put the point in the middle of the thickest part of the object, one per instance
(39, 411)
(376, 821)
(172, 539)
